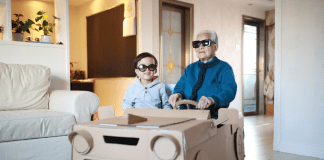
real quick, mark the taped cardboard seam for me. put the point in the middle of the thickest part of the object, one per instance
(198, 134)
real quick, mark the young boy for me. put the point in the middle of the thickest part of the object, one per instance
(146, 92)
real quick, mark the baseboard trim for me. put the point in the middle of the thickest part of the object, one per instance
(299, 149)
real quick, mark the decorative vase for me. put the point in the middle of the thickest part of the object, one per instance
(46, 38)
(17, 37)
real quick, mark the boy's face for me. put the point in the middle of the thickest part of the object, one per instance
(147, 74)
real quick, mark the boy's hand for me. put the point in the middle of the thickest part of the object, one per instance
(174, 98)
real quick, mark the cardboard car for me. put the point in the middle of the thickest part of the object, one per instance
(160, 134)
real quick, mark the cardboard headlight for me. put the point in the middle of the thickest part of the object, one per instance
(81, 141)
(165, 147)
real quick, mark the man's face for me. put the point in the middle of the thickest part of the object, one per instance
(147, 74)
(205, 54)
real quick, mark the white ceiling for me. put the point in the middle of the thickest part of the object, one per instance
(261, 4)
(78, 2)
(71, 2)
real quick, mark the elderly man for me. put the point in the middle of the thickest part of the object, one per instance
(209, 81)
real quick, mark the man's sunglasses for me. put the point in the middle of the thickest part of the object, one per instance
(205, 43)
(151, 67)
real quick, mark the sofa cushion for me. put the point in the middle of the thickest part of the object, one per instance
(24, 86)
(28, 124)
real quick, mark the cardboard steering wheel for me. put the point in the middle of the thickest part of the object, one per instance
(187, 102)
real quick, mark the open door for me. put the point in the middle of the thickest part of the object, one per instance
(253, 65)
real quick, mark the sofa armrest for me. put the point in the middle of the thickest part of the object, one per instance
(80, 103)
(106, 112)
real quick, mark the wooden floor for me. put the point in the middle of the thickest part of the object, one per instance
(258, 140)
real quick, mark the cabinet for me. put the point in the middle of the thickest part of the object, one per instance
(83, 85)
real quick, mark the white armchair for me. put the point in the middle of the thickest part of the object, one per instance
(34, 122)
(81, 104)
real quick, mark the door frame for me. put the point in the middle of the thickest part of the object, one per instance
(188, 29)
(260, 23)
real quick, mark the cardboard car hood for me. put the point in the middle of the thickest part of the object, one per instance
(195, 125)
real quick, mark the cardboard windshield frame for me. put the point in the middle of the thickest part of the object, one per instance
(147, 122)
(197, 114)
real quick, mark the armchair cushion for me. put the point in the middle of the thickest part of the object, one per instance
(24, 86)
(31, 124)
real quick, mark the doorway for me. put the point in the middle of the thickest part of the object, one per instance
(253, 65)
(176, 32)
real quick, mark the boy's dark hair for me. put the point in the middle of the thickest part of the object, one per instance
(144, 55)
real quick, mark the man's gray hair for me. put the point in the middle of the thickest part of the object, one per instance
(213, 35)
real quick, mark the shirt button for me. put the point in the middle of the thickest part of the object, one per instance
(145, 87)
(145, 91)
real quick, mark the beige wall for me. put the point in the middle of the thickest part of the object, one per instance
(226, 20)
(269, 82)
(223, 17)
(1, 20)
(109, 90)
(78, 28)
(75, 36)
(299, 85)
(29, 10)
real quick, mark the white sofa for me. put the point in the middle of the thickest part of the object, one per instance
(35, 122)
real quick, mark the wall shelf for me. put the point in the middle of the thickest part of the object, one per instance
(61, 10)
(16, 43)
(54, 56)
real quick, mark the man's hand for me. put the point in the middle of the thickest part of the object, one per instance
(205, 102)
(174, 98)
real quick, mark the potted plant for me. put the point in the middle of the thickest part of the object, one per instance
(19, 27)
(45, 26)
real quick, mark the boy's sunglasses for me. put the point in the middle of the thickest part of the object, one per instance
(205, 43)
(151, 67)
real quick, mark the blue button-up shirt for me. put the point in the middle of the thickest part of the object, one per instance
(212, 79)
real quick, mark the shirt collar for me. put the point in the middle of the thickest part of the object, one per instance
(209, 64)
(139, 84)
